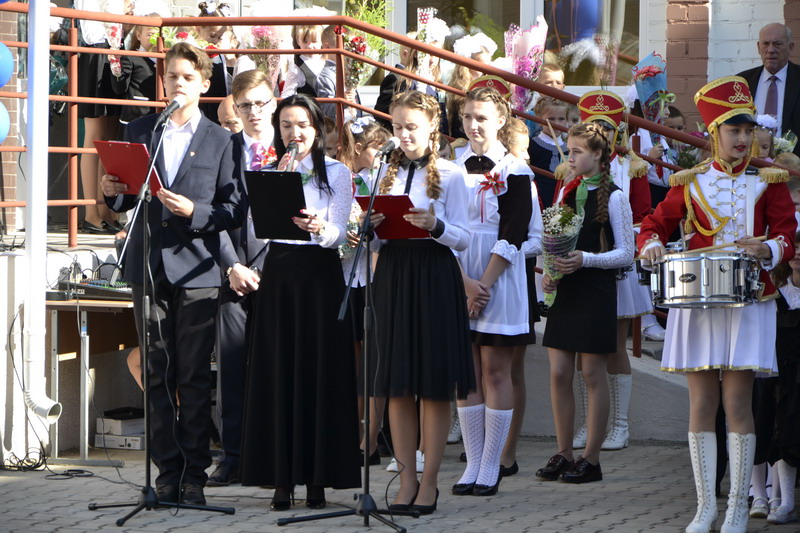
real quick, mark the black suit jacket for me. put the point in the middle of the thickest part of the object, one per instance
(209, 175)
(240, 245)
(791, 111)
(137, 82)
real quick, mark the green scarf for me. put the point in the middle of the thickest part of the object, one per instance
(582, 192)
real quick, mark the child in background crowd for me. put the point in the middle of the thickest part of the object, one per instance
(544, 149)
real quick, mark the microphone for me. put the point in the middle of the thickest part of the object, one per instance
(178, 102)
(390, 146)
(292, 151)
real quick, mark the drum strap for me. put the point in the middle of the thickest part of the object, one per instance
(750, 199)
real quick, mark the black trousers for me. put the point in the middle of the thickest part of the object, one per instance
(182, 330)
(232, 343)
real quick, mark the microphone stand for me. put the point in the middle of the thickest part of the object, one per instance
(366, 506)
(148, 499)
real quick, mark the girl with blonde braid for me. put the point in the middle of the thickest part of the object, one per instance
(423, 346)
(582, 320)
(504, 218)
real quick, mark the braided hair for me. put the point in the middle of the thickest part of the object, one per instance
(488, 94)
(430, 106)
(594, 138)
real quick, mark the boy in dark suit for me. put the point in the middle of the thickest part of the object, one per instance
(242, 259)
(201, 198)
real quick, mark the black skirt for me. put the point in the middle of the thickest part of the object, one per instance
(583, 317)
(300, 421)
(94, 81)
(422, 327)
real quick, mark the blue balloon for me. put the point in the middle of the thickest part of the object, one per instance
(5, 123)
(6, 64)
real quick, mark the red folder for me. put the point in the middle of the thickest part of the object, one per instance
(129, 162)
(393, 207)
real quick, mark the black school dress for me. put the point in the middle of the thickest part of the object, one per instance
(583, 317)
(787, 414)
(544, 155)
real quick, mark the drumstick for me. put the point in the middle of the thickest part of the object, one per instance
(718, 246)
(555, 139)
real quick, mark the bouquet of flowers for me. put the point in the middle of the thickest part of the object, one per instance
(268, 38)
(173, 35)
(346, 250)
(785, 143)
(356, 72)
(526, 50)
(561, 229)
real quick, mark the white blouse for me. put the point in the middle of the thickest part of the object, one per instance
(791, 293)
(450, 207)
(621, 219)
(332, 206)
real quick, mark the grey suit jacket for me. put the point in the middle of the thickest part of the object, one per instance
(187, 248)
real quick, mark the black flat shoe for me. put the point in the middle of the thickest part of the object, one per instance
(463, 489)
(506, 471)
(487, 490)
(282, 499)
(463, 457)
(315, 497)
(426, 509)
(555, 466)
(582, 472)
(374, 459)
(88, 227)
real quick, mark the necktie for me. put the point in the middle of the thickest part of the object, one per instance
(771, 105)
(259, 158)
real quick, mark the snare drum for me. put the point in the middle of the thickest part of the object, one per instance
(704, 280)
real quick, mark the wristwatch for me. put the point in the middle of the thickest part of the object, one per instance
(230, 269)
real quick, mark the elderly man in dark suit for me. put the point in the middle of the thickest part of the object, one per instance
(776, 84)
(201, 197)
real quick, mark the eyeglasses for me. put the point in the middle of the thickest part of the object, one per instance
(250, 107)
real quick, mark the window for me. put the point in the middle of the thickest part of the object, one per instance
(596, 41)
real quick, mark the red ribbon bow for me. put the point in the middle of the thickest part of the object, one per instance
(492, 182)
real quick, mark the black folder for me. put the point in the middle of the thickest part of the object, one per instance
(276, 197)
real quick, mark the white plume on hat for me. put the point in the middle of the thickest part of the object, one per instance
(437, 30)
(631, 96)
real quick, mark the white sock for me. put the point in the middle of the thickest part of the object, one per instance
(786, 476)
(472, 421)
(758, 481)
(648, 320)
(497, 425)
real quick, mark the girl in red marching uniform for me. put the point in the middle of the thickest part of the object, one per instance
(724, 205)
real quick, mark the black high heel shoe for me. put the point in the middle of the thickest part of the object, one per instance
(283, 499)
(405, 506)
(487, 490)
(425, 509)
(315, 497)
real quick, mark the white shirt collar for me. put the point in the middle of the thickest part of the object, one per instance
(546, 138)
(248, 141)
(496, 152)
(306, 164)
(781, 74)
(190, 126)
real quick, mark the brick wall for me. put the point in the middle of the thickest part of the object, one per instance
(687, 53)
(733, 34)
(791, 14)
(8, 168)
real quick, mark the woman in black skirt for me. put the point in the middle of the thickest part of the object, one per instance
(101, 121)
(422, 328)
(300, 423)
(582, 320)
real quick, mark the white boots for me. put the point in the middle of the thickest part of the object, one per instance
(703, 450)
(619, 387)
(741, 451)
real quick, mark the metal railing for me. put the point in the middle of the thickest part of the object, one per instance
(340, 53)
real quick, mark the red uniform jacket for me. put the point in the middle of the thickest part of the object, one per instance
(774, 217)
